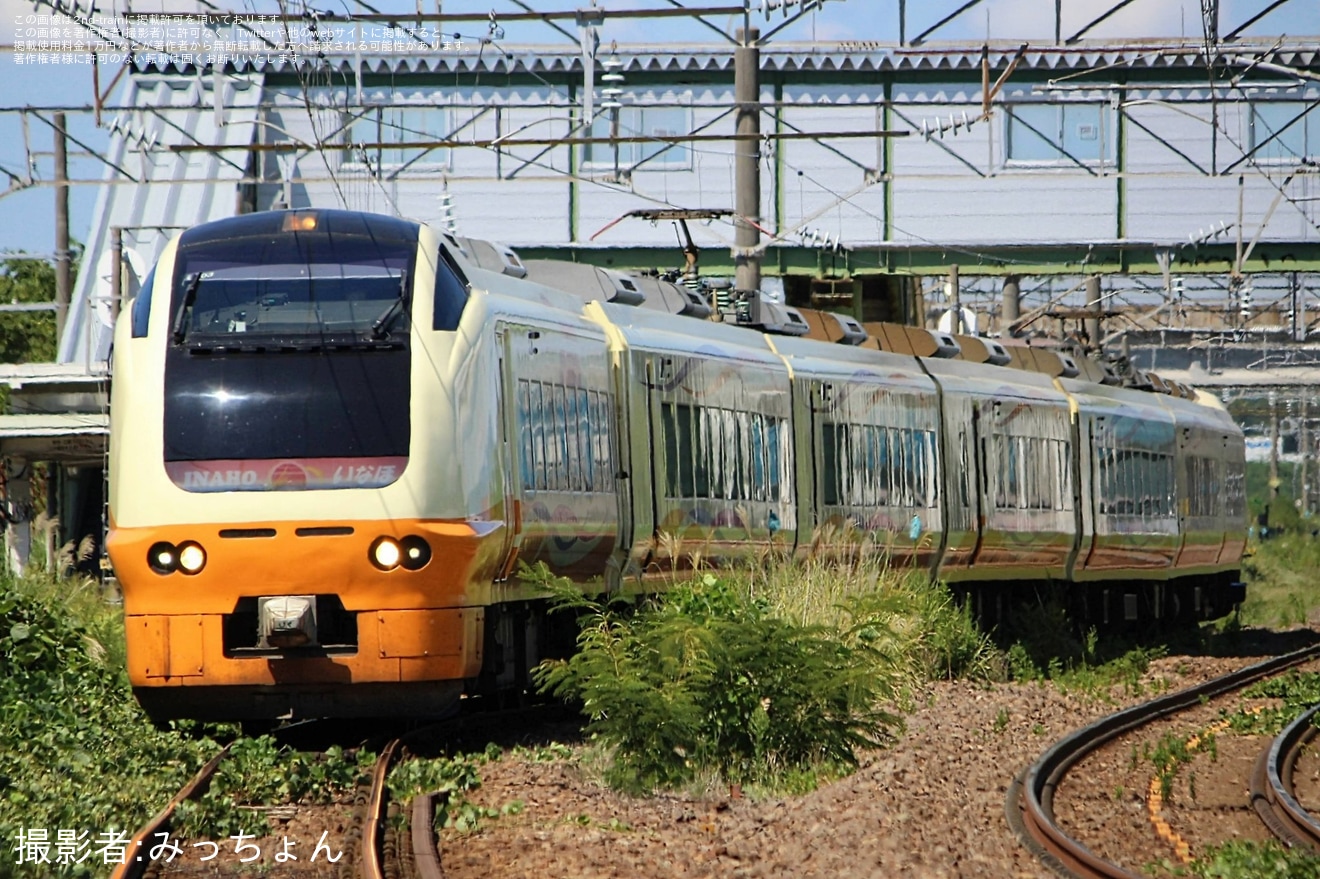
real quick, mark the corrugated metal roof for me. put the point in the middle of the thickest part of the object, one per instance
(846, 58)
(186, 189)
(53, 424)
(67, 438)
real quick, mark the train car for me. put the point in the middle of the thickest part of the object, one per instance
(336, 435)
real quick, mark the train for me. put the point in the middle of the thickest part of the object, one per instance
(336, 436)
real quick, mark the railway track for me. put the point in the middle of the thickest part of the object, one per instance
(385, 840)
(1272, 792)
(375, 849)
(1029, 805)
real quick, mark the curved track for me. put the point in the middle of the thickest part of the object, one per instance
(1030, 803)
(136, 868)
(1272, 786)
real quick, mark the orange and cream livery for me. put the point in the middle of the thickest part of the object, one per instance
(336, 435)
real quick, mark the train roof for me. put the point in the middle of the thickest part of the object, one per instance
(629, 297)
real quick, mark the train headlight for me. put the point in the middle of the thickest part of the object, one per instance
(163, 558)
(416, 552)
(385, 553)
(192, 558)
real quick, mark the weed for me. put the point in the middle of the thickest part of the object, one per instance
(1281, 586)
(1296, 691)
(76, 752)
(258, 772)
(1169, 755)
(1242, 859)
(710, 676)
(1001, 720)
(453, 777)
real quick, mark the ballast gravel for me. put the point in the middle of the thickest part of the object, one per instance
(932, 805)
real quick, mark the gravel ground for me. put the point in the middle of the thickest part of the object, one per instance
(932, 805)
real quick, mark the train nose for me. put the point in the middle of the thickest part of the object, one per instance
(286, 621)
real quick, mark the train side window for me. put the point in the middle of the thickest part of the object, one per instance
(669, 438)
(601, 467)
(536, 416)
(757, 453)
(829, 445)
(554, 434)
(451, 293)
(709, 478)
(680, 450)
(142, 306)
(585, 427)
(525, 435)
(776, 434)
(871, 464)
(572, 450)
(563, 463)
(854, 469)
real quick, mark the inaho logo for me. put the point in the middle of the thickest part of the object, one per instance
(285, 474)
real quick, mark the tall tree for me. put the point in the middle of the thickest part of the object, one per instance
(27, 336)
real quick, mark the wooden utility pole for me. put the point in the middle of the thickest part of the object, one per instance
(1094, 303)
(1012, 307)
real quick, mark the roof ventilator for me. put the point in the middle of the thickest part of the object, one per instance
(946, 346)
(996, 355)
(775, 317)
(852, 331)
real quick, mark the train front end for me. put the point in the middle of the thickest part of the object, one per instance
(290, 521)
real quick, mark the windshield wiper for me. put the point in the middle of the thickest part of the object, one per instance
(380, 329)
(179, 326)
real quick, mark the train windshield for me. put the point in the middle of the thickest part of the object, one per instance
(287, 358)
(324, 280)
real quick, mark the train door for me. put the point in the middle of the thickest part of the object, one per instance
(981, 481)
(824, 468)
(664, 447)
(1082, 466)
(510, 445)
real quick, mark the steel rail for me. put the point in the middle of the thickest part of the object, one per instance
(136, 866)
(1272, 786)
(426, 857)
(370, 863)
(1029, 807)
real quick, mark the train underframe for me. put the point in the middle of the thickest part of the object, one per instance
(1110, 605)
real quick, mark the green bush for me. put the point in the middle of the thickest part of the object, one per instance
(707, 678)
(76, 752)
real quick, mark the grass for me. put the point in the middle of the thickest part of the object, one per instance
(771, 674)
(1282, 589)
(79, 757)
(1255, 860)
(76, 753)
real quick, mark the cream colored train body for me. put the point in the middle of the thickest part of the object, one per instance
(335, 436)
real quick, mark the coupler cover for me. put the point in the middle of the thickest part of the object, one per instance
(286, 621)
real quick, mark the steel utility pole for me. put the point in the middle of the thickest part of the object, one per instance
(63, 280)
(747, 161)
